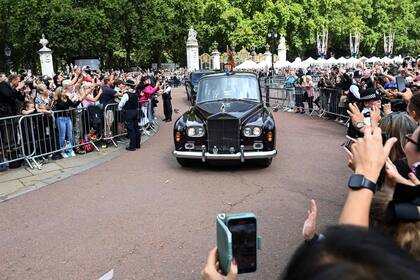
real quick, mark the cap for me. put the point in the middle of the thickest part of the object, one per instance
(130, 83)
(357, 74)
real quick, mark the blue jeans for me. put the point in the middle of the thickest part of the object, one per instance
(65, 128)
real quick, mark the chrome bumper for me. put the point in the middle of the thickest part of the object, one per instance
(241, 155)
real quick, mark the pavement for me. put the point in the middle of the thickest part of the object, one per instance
(143, 216)
(15, 182)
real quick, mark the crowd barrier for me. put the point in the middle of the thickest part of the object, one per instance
(36, 137)
(326, 102)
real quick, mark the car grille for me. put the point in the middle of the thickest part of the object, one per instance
(223, 133)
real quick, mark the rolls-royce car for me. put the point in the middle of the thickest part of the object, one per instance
(228, 121)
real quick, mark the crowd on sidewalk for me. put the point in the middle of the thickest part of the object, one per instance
(71, 112)
(377, 235)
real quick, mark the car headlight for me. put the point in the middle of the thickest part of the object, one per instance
(195, 132)
(252, 131)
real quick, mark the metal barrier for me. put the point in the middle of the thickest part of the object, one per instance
(325, 102)
(114, 123)
(10, 141)
(44, 135)
(333, 102)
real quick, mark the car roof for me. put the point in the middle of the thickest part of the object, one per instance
(235, 74)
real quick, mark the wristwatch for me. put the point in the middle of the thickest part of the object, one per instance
(357, 182)
(360, 125)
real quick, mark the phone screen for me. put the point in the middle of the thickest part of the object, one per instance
(244, 243)
(401, 83)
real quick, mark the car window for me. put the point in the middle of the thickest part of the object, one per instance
(229, 87)
(196, 77)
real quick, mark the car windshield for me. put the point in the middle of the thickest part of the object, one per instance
(228, 87)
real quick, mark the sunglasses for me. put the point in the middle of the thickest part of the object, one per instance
(409, 139)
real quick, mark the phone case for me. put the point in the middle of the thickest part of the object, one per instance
(224, 238)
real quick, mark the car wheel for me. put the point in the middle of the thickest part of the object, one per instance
(184, 162)
(264, 162)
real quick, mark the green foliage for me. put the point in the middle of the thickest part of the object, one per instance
(124, 32)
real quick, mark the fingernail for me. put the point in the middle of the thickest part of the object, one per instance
(234, 261)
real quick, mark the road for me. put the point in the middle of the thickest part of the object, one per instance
(147, 218)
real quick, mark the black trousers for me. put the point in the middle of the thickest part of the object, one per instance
(167, 105)
(132, 119)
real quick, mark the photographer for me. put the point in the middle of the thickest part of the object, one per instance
(166, 97)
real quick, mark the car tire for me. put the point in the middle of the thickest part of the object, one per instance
(184, 162)
(264, 162)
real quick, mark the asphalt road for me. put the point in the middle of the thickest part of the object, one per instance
(147, 218)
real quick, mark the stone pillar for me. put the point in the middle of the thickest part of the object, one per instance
(193, 62)
(45, 55)
(267, 55)
(216, 59)
(282, 50)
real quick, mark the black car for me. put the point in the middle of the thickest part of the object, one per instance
(228, 122)
(192, 85)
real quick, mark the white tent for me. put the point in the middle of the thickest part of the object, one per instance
(353, 61)
(282, 64)
(309, 61)
(387, 60)
(297, 63)
(262, 65)
(363, 58)
(373, 59)
(247, 65)
(331, 60)
(398, 59)
(342, 60)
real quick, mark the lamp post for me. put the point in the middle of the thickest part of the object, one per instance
(8, 54)
(272, 36)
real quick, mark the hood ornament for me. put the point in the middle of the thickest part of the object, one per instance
(223, 108)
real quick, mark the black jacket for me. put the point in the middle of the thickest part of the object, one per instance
(8, 100)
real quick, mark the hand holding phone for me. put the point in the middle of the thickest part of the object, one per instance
(237, 239)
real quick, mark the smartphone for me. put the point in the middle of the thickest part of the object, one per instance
(401, 83)
(244, 243)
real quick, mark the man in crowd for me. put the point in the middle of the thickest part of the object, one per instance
(3, 77)
(11, 92)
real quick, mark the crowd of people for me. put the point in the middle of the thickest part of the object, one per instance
(378, 233)
(79, 106)
(329, 88)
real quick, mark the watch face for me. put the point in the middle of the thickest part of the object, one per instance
(355, 181)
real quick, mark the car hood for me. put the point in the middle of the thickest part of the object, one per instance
(238, 109)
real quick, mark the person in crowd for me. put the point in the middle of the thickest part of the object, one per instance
(43, 100)
(130, 105)
(371, 104)
(145, 91)
(309, 89)
(167, 104)
(107, 97)
(28, 108)
(3, 77)
(299, 93)
(63, 102)
(413, 108)
(11, 92)
(398, 125)
(290, 90)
